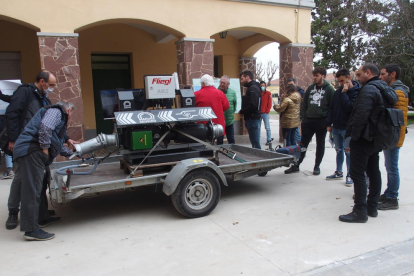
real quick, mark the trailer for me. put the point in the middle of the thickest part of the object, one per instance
(194, 184)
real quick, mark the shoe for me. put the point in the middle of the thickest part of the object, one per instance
(49, 221)
(382, 198)
(51, 212)
(372, 213)
(12, 220)
(388, 204)
(356, 216)
(316, 170)
(293, 169)
(38, 235)
(336, 175)
(8, 175)
(267, 143)
(349, 182)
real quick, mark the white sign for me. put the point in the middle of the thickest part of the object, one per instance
(160, 87)
(7, 87)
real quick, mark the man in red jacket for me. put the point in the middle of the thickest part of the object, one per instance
(209, 96)
(265, 109)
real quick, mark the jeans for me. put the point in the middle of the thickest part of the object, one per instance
(229, 135)
(265, 118)
(289, 136)
(253, 128)
(393, 175)
(365, 157)
(310, 127)
(339, 141)
(298, 138)
(9, 161)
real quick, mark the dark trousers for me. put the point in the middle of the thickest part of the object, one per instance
(309, 128)
(365, 158)
(229, 135)
(29, 176)
(289, 136)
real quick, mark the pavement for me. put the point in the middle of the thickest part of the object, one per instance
(273, 225)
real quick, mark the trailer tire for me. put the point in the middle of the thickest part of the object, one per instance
(262, 174)
(197, 194)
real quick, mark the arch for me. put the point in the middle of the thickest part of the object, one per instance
(141, 22)
(19, 22)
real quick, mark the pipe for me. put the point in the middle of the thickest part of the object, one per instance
(101, 141)
(59, 171)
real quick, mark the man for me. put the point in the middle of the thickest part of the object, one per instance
(40, 142)
(390, 73)
(266, 105)
(229, 113)
(371, 100)
(293, 82)
(251, 107)
(209, 96)
(338, 116)
(24, 104)
(314, 110)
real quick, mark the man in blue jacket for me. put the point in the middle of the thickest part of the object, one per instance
(40, 142)
(338, 116)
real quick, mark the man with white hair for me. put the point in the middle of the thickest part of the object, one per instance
(209, 96)
(40, 142)
(229, 113)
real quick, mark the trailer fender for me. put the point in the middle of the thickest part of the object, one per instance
(183, 167)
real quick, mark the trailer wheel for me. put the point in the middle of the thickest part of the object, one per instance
(262, 174)
(197, 194)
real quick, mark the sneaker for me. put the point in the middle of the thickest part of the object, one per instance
(51, 212)
(292, 169)
(316, 170)
(388, 204)
(336, 175)
(382, 198)
(349, 182)
(356, 216)
(12, 220)
(8, 175)
(267, 143)
(38, 235)
(49, 221)
(372, 212)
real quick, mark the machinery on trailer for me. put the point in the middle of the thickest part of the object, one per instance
(154, 143)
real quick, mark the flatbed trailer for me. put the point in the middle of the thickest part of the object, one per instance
(194, 184)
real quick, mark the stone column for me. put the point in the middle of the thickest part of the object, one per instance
(296, 61)
(59, 54)
(245, 63)
(195, 57)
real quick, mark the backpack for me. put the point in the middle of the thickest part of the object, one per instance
(387, 130)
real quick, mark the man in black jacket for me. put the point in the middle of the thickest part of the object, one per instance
(24, 104)
(251, 107)
(371, 100)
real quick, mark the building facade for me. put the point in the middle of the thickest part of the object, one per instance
(94, 45)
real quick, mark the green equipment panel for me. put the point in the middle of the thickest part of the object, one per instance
(141, 140)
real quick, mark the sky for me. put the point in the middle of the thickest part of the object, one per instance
(269, 52)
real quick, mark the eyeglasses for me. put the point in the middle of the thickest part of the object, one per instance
(51, 84)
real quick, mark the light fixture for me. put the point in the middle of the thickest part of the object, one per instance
(223, 34)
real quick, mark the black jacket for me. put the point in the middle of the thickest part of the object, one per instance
(24, 104)
(251, 102)
(373, 97)
(341, 107)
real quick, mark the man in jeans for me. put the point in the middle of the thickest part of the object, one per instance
(229, 113)
(251, 107)
(314, 110)
(390, 73)
(266, 105)
(373, 97)
(338, 116)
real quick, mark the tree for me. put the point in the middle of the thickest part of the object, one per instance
(266, 73)
(340, 31)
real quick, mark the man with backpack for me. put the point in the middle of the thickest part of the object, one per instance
(374, 96)
(390, 73)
